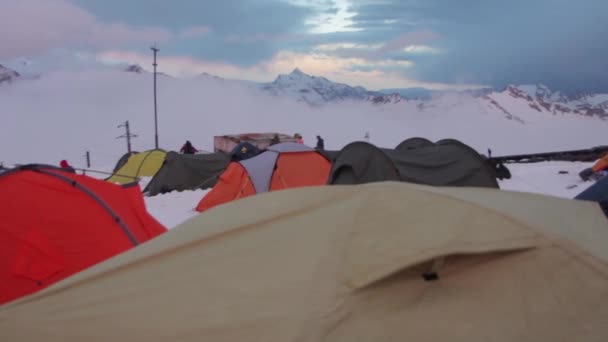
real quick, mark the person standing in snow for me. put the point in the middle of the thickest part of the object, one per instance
(65, 165)
(320, 143)
(299, 139)
(275, 140)
(188, 148)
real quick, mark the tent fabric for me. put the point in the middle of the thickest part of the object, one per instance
(598, 192)
(233, 184)
(329, 154)
(445, 163)
(181, 172)
(260, 170)
(243, 151)
(122, 161)
(414, 143)
(344, 264)
(601, 164)
(289, 147)
(281, 166)
(56, 223)
(144, 164)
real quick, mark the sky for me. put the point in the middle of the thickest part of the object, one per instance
(438, 44)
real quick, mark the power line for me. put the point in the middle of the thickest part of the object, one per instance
(127, 135)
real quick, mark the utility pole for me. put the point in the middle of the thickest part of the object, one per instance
(127, 135)
(88, 156)
(155, 50)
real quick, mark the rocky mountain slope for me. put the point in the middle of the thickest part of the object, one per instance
(8, 75)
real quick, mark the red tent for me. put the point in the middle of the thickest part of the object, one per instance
(54, 223)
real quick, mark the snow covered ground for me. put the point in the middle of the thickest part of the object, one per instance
(174, 208)
(543, 178)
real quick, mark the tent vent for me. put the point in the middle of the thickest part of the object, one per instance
(432, 274)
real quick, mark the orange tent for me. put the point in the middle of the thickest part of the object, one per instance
(54, 223)
(601, 164)
(281, 166)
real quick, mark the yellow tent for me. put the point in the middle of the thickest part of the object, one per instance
(144, 164)
(344, 263)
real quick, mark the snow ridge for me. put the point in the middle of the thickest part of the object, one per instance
(8, 75)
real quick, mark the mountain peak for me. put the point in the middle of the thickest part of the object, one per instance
(317, 90)
(207, 75)
(7, 75)
(135, 68)
(299, 72)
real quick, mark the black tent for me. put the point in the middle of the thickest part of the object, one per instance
(329, 154)
(244, 150)
(187, 172)
(598, 192)
(445, 163)
(414, 143)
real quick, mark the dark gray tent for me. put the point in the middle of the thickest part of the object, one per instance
(187, 172)
(598, 192)
(445, 163)
(244, 151)
(414, 143)
(329, 154)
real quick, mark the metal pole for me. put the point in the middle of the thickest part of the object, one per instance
(128, 137)
(88, 159)
(155, 50)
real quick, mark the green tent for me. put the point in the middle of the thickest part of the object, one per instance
(445, 163)
(187, 172)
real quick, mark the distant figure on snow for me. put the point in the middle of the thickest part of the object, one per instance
(65, 165)
(275, 140)
(299, 139)
(188, 148)
(320, 143)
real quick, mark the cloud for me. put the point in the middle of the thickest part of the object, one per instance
(407, 40)
(194, 32)
(402, 50)
(556, 42)
(266, 38)
(378, 74)
(28, 27)
(346, 46)
(332, 16)
(421, 49)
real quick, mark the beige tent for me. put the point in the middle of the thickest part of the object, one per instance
(344, 263)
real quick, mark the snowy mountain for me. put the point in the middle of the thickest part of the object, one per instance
(316, 90)
(135, 68)
(138, 69)
(513, 99)
(386, 98)
(426, 94)
(7, 75)
(205, 75)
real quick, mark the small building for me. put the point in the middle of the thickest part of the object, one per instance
(226, 143)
